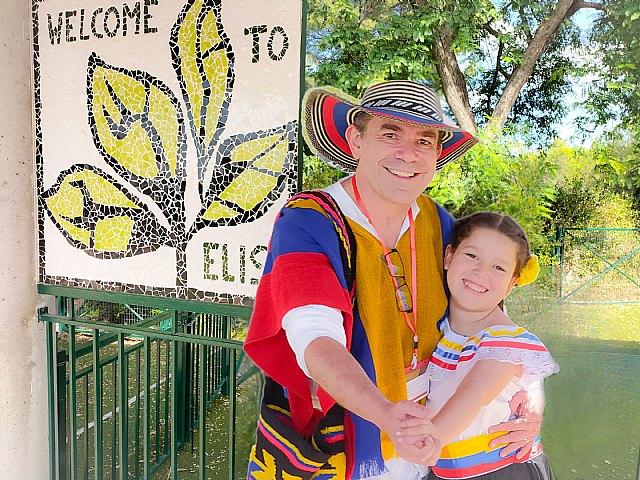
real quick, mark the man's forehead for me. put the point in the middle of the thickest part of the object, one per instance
(389, 124)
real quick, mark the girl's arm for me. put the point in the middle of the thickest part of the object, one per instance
(483, 383)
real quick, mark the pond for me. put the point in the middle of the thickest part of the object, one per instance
(591, 423)
(592, 419)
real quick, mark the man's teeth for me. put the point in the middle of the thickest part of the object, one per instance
(401, 173)
(475, 287)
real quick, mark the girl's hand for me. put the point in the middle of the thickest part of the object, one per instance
(522, 431)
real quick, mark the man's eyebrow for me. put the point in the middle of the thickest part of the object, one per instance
(390, 126)
(429, 132)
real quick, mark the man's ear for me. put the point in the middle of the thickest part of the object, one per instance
(354, 139)
(448, 253)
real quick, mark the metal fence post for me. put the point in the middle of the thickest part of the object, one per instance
(61, 390)
(97, 372)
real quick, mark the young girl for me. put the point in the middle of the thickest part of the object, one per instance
(483, 358)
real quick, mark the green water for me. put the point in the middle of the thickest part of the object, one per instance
(591, 425)
(592, 419)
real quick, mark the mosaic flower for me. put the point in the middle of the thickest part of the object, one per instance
(138, 126)
(99, 216)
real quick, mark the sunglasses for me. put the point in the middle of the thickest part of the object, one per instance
(395, 267)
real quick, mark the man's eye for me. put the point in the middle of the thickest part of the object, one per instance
(470, 255)
(499, 268)
(426, 141)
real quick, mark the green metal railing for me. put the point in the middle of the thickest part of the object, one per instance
(597, 254)
(127, 399)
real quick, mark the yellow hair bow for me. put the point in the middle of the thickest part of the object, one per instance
(529, 271)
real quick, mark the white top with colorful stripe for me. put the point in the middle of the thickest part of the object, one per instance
(469, 455)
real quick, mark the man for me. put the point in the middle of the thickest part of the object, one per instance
(342, 360)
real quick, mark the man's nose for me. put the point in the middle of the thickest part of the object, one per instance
(407, 151)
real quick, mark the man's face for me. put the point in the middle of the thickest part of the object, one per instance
(396, 161)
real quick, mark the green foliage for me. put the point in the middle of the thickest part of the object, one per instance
(352, 43)
(540, 103)
(589, 179)
(317, 174)
(614, 94)
(615, 211)
(499, 175)
(575, 204)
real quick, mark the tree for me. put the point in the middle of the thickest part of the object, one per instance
(481, 54)
(614, 92)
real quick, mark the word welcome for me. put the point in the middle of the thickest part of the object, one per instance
(217, 265)
(102, 22)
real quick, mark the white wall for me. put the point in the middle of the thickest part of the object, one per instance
(23, 387)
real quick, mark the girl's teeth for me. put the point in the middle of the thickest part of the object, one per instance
(475, 288)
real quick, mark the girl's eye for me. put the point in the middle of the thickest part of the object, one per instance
(470, 255)
(499, 268)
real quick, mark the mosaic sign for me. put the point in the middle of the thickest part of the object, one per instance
(166, 141)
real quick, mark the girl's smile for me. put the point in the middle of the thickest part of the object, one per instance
(480, 274)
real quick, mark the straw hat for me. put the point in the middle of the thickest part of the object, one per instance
(327, 112)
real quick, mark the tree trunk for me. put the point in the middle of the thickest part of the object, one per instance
(453, 82)
(541, 40)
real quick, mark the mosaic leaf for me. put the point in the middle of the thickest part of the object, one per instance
(203, 60)
(138, 126)
(99, 216)
(251, 171)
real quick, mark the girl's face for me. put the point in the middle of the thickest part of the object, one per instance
(480, 271)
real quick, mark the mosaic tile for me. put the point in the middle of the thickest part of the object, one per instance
(134, 202)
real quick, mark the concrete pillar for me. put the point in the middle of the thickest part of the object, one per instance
(23, 385)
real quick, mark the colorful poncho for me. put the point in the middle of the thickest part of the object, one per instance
(309, 262)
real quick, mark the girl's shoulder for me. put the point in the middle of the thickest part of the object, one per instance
(503, 343)
(507, 332)
(517, 345)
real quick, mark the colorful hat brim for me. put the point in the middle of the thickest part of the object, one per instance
(327, 112)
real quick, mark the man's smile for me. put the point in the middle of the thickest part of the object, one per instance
(400, 173)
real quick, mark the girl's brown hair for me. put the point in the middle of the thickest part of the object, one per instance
(504, 224)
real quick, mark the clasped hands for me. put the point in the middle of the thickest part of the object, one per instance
(418, 440)
(414, 437)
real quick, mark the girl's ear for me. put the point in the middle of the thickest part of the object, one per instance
(514, 280)
(448, 253)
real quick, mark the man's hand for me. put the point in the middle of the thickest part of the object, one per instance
(522, 431)
(407, 424)
(338, 373)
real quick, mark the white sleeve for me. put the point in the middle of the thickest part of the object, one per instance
(304, 324)
(536, 396)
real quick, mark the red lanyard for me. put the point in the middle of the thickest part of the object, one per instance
(414, 281)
